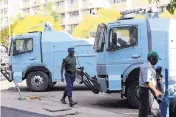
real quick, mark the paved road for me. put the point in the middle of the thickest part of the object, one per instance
(9, 112)
(108, 102)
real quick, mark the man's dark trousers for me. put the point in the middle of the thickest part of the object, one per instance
(69, 81)
(148, 105)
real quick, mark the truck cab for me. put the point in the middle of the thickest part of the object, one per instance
(122, 47)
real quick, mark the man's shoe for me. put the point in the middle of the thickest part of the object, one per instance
(71, 102)
(63, 101)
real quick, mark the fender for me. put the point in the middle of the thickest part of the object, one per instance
(126, 73)
(36, 67)
(129, 69)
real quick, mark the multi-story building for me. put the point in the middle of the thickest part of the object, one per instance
(72, 11)
(8, 9)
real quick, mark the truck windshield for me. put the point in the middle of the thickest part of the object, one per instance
(99, 39)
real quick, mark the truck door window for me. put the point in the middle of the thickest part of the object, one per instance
(99, 39)
(122, 37)
(23, 46)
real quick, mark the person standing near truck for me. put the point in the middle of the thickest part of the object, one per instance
(147, 88)
(69, 64)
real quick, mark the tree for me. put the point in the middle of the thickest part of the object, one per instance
(5, 34)
(48, 10)
(167, 14)
(90, 22)
(171, 7)
(5, 30)
(28, 21)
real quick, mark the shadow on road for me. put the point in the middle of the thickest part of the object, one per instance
(58, 87)
(113, 103)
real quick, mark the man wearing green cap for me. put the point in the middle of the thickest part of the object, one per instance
(147, 87)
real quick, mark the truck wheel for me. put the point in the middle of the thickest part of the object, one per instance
(131, 95)
(37, 81)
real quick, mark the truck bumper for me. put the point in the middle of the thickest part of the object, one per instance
(17, 76)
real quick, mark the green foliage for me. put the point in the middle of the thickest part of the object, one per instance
(29, 21)
(90, 22)
(48, 10)
(4, 34)
(171, 7)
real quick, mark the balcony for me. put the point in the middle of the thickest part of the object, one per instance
(73, 7)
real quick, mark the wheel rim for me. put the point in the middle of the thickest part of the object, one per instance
(136, 92)
(37, 81)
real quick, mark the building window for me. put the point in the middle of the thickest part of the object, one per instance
(26, 10)
(63, 26)
(75, 13)
(5, 10)
(35, 8)
(6, 20)
(86, 11)
(1, 21)
(72, 26)
(5, 1)
(118, 1)
(1, 11)
(62, 15)
(72, 1)
(93, 11)
(60, 3)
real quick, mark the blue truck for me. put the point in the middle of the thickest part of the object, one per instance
(122, 47)
(37, 57)
(110, 65)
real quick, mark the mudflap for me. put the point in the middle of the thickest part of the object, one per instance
(90, 82)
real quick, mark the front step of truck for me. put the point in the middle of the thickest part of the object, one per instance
(90, 82)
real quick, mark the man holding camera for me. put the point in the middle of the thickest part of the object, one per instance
(147, 88)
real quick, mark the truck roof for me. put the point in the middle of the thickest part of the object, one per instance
(155, 23)
(56, 37)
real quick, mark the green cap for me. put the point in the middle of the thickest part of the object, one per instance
(154, 54)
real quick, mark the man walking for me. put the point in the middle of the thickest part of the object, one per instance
(69, 63)
(147, 88)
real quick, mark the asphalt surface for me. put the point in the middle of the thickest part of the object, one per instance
(9, 112)
(108, 102)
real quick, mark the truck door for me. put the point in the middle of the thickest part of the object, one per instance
(124, 50)
(26, 52)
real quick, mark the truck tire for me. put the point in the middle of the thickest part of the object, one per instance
(131, 95)
(37, 81)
